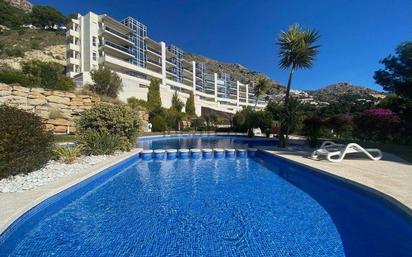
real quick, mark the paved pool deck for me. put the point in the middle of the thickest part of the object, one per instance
(391, 176)
(13, 205)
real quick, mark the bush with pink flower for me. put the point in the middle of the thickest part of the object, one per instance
(340, 124)
(376, 124)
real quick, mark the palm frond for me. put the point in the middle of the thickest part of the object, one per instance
(296, 47)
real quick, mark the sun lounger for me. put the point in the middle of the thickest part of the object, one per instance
(337, 152)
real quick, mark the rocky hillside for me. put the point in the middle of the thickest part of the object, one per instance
(236, 71)
(27, 44)
(335, 91)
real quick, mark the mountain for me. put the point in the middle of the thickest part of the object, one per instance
(335, 91)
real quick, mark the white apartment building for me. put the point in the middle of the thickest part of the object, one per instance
(124, 47)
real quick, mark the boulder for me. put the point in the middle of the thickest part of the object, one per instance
(20, 93)
(21, 89)
(19, 99)
(58, 99)
(38, 90)
(36, 95)
(5, 87)
(5, 93)
(60, 129)
(59, 122)
(36, 102)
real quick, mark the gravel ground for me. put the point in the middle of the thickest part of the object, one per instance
(50, 172)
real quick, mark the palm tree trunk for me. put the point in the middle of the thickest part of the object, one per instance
(292, 71)
(284, 129)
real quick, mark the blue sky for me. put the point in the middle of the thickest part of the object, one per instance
(355, 34)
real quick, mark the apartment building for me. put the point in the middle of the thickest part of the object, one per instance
(124, 46)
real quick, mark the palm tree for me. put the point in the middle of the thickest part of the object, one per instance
(297, 50)
(260, 88)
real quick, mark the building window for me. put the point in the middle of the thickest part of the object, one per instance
(94, 41)
(94, 56)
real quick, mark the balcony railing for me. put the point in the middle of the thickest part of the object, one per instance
(116, 32)
(118, 47)
(154, 62)
(154, 50)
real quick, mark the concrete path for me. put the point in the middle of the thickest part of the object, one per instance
(391, 176)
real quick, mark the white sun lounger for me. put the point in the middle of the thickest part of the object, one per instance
(257, 132)
(336, 152)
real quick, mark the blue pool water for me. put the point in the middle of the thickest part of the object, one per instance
(263, 206)
(211, 141)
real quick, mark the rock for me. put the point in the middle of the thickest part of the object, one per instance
(5, 87)
(60, 129)
(4, 93)
(19, 99)
(19, 93)
(37, 90)
(26, 108)
(21, 89)
(36, 101)
(49, 126)
(70, 95)
(58, 99)
(59, 122)
(36, 95)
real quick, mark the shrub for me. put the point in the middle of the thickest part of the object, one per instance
(67, 154)
(134, 103)
(312, 129)
(117, 120)
(376, 124)
(46, 75)
(106, 82)
(11, 77)
(25, 145)
(93, 142)
(14, 52)
(158, 124)
(341, 124)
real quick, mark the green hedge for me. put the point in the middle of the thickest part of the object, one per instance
(25, 145)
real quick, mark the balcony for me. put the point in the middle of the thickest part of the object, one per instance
(72, 33)
(73, 47)
(153, 62)
(116, 36)
(74, 61)
(154, 51)
(116, 50)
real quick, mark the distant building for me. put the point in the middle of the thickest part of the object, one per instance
(124, 46)
(21, 4)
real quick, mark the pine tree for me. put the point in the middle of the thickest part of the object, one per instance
(190, 105)
(153, 95)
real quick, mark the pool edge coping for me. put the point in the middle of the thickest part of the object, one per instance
(92, 171)
(406, 209)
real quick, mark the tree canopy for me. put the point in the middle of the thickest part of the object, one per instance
(42, 16)
(177, 104)
(106, 82)
(397, 75)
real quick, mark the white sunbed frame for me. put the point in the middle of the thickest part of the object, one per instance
(332, 150)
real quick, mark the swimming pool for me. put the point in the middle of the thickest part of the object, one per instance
(263, 206)
(203, 141)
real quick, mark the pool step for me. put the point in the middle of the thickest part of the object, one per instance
(196, 153)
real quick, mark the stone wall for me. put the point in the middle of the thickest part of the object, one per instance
(59, 109)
